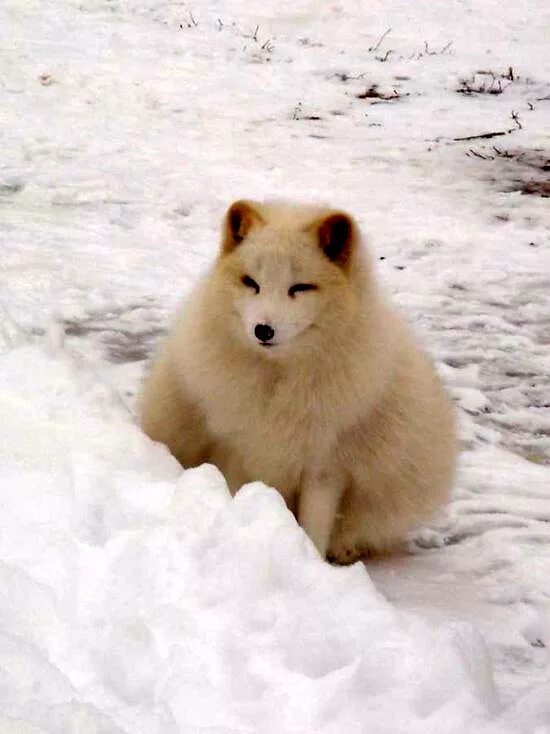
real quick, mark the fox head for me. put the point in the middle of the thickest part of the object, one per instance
(286, 275)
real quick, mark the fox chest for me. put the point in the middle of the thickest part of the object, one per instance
(273, 433)
(259, 419)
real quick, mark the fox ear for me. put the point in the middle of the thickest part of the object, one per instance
(336, 234)
(239, 219)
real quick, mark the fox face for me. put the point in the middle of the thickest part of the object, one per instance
(286, 279)
(279, 299)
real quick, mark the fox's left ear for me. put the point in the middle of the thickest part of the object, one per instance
(336, 235)
(240, 218)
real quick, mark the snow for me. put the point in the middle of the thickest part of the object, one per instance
(137, 597)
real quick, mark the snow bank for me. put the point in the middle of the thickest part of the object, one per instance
(136, 597)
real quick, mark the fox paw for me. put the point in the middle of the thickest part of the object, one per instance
(344, 553)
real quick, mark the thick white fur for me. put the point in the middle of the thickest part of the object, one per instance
(345, 416)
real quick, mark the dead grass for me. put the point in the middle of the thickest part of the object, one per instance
(486, 82)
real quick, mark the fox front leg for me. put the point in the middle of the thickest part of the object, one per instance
(318, 503)
(168, 415)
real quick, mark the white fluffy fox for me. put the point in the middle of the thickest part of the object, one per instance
(287, 365)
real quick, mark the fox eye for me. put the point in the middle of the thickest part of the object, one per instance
(300, 287)
(250, 283)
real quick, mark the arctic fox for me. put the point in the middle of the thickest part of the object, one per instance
(288, 365)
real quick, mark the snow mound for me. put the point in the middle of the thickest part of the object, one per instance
(136, 597)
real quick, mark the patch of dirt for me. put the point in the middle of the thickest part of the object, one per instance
(374, 93)
(529, 171)
(124, 334)
(8, 188)
(517, 169)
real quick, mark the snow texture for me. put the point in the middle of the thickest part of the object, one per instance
(139, 598)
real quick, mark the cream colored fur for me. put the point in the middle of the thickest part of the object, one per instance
(345, 417)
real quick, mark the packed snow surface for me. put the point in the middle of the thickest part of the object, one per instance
(138, 598)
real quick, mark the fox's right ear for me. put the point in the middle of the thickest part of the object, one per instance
(240, 218)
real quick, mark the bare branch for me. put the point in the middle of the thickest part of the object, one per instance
(377, 44)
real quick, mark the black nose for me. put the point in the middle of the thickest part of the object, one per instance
(264, 332)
